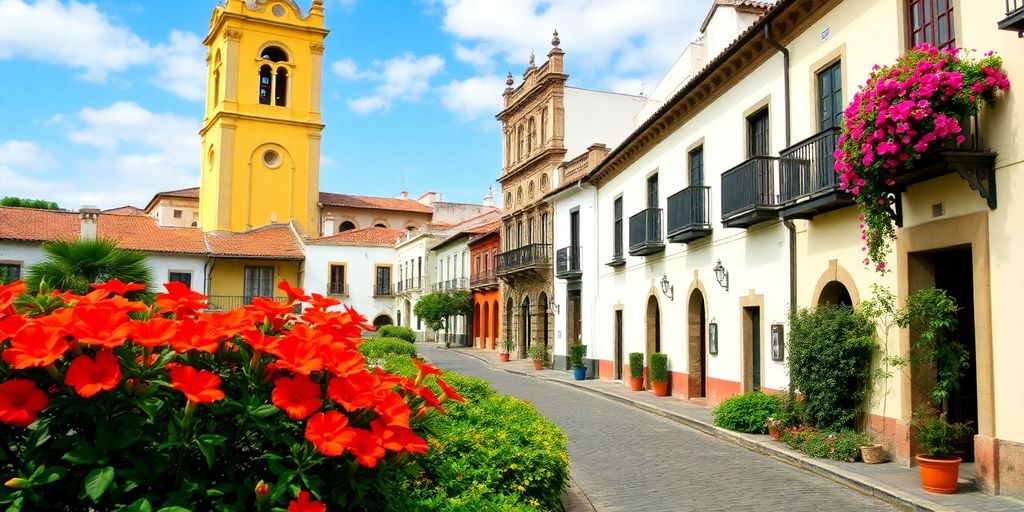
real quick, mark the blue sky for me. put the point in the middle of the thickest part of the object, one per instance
(103, 99)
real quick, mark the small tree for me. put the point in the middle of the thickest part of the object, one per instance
(437, 309)
(74, 265)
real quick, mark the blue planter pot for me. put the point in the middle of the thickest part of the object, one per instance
(579, 372)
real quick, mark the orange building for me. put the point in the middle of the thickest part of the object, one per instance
(483, 256)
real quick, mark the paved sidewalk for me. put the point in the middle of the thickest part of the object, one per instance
(890, 482)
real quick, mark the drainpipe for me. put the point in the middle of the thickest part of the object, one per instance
(790, 226)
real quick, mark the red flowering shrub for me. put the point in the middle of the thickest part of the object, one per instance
(111, 404)
(904, 110)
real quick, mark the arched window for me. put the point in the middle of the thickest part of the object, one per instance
(520, 154)
(274, 54)
(265, 84)
(281, 87)
(346, 226)
(543, 126)
(531, 136)
(379, 225)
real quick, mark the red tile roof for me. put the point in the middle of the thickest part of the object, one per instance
(142, 233)
(490, 227)
(126, 210)
(276, 241)
(376, 203)
(189, 193)
(384, 237)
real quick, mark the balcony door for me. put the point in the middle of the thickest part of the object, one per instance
(652, 191)
(574, 239)
(758, 145)
(259, 282)
(830, 97)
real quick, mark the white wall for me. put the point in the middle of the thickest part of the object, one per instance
(692, 60)
(360, 276)
(586, 200)
(452, 262)
(597, 117)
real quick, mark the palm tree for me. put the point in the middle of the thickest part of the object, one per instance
(74, 265)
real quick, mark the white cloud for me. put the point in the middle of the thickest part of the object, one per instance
(405, 78)
(473, 98)
(182, 65)
(78, 35)
(605, 40)
(74, 34)
(23, 154)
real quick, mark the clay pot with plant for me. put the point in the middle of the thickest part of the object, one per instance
(937, 438)
(539, 353)
(658, 373)
(636, 371)
(505, 347)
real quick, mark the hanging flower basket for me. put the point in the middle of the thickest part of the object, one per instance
(903, 111)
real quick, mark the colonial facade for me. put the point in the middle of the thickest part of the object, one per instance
(543, 120)
(725, 214)
(484, 244)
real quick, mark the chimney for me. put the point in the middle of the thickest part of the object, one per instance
(89, 217)
(329, 224)
(489, 198)
(404, 194)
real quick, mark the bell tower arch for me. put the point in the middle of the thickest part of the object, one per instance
(261, 132)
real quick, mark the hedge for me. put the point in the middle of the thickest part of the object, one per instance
(843, 445)
(747, 412)
(494, 452)
(375, 348)
(395, 331)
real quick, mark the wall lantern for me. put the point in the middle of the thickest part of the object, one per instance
(722, 275)
(667, 288)
(555, 307)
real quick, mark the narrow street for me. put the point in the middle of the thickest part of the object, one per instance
(626, 459)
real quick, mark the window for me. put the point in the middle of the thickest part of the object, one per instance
(346, 226)
(652, 191)
(184, 278)
(273, 90)
(617, 247)
(531, 135)
(265, 84)
(281, 87)
(830, 97)
(757, 134)
(177, 214)
(529, 230)
(930, 21)
(697, 167)
(379, 225)
(543, 126)
(259, 282)
(10, 272)
(337, 280)
(519, 233)
(382, 285)
(274, 54)
(544, 228)
(520, 154)
(508, 237)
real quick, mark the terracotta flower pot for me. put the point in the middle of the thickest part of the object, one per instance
(503, 358)
(939, 475)
(775, 433)
(538, 364)
(636, 383)
(660, 388)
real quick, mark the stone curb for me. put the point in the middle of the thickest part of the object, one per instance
(854, 481)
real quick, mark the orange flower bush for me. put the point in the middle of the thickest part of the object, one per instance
(112, 404)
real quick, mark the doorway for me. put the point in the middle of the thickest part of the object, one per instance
(653, 333)
(574, 322)
(524, 326)
(697, 345)
(542, 306)
(618, 344)
(752, 348)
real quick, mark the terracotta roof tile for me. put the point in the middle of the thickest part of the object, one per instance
(384, 237)
(32, 225)
(189, 193)
(377, 203)
(276, 241)
(490, 227)
(126, 210)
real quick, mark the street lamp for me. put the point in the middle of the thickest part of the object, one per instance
(667, 288)
(722, 275)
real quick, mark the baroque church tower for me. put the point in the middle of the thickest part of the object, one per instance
(261, 132)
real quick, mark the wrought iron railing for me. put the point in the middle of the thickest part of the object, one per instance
(749, 185)
(689, 209)
(382, 290)
(525, 256)
(645, 229)
(225, 302)
(567, 260)
(487, 278)
(808, 167)
(1012, 6)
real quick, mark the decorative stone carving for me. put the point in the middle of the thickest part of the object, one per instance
(232, 34)
(316, 48)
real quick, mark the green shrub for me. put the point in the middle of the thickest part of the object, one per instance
(936, 436)
(493, 452)
(793, 411)
(843, 446)
(396, 331)
(830, 350)
(747, 412)
(636, 365)
(577, 352)
(658, 372)
(538, 352)
(373, 348)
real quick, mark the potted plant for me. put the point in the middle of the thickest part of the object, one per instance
(539, 353)
(577, 352)
(774, 426)
(937, 439)
(658, 374)
(636, 371)
(504, 349)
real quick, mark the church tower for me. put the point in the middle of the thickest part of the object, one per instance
(261, 132)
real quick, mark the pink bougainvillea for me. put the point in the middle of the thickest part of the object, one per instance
(903, 111)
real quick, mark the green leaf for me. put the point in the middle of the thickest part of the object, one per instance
(263, 411)
(97, 482)
(174, 509)
(16, 506)
(209, 453)
(84, 454)
(151, 406)
(51, 475)
(139, 506)
(212, 439)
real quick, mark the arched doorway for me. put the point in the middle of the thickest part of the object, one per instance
(696, 321)
(653, 333)
(525, 325)
(835, 294)
(485, 325)
(380, 320)
(542, 306)
(475, 325)
(509, 308)
(494, 325)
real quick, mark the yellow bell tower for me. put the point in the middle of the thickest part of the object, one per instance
(261, 133)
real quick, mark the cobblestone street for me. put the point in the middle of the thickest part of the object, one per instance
(625, 459)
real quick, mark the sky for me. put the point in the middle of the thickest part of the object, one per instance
(102, 100)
